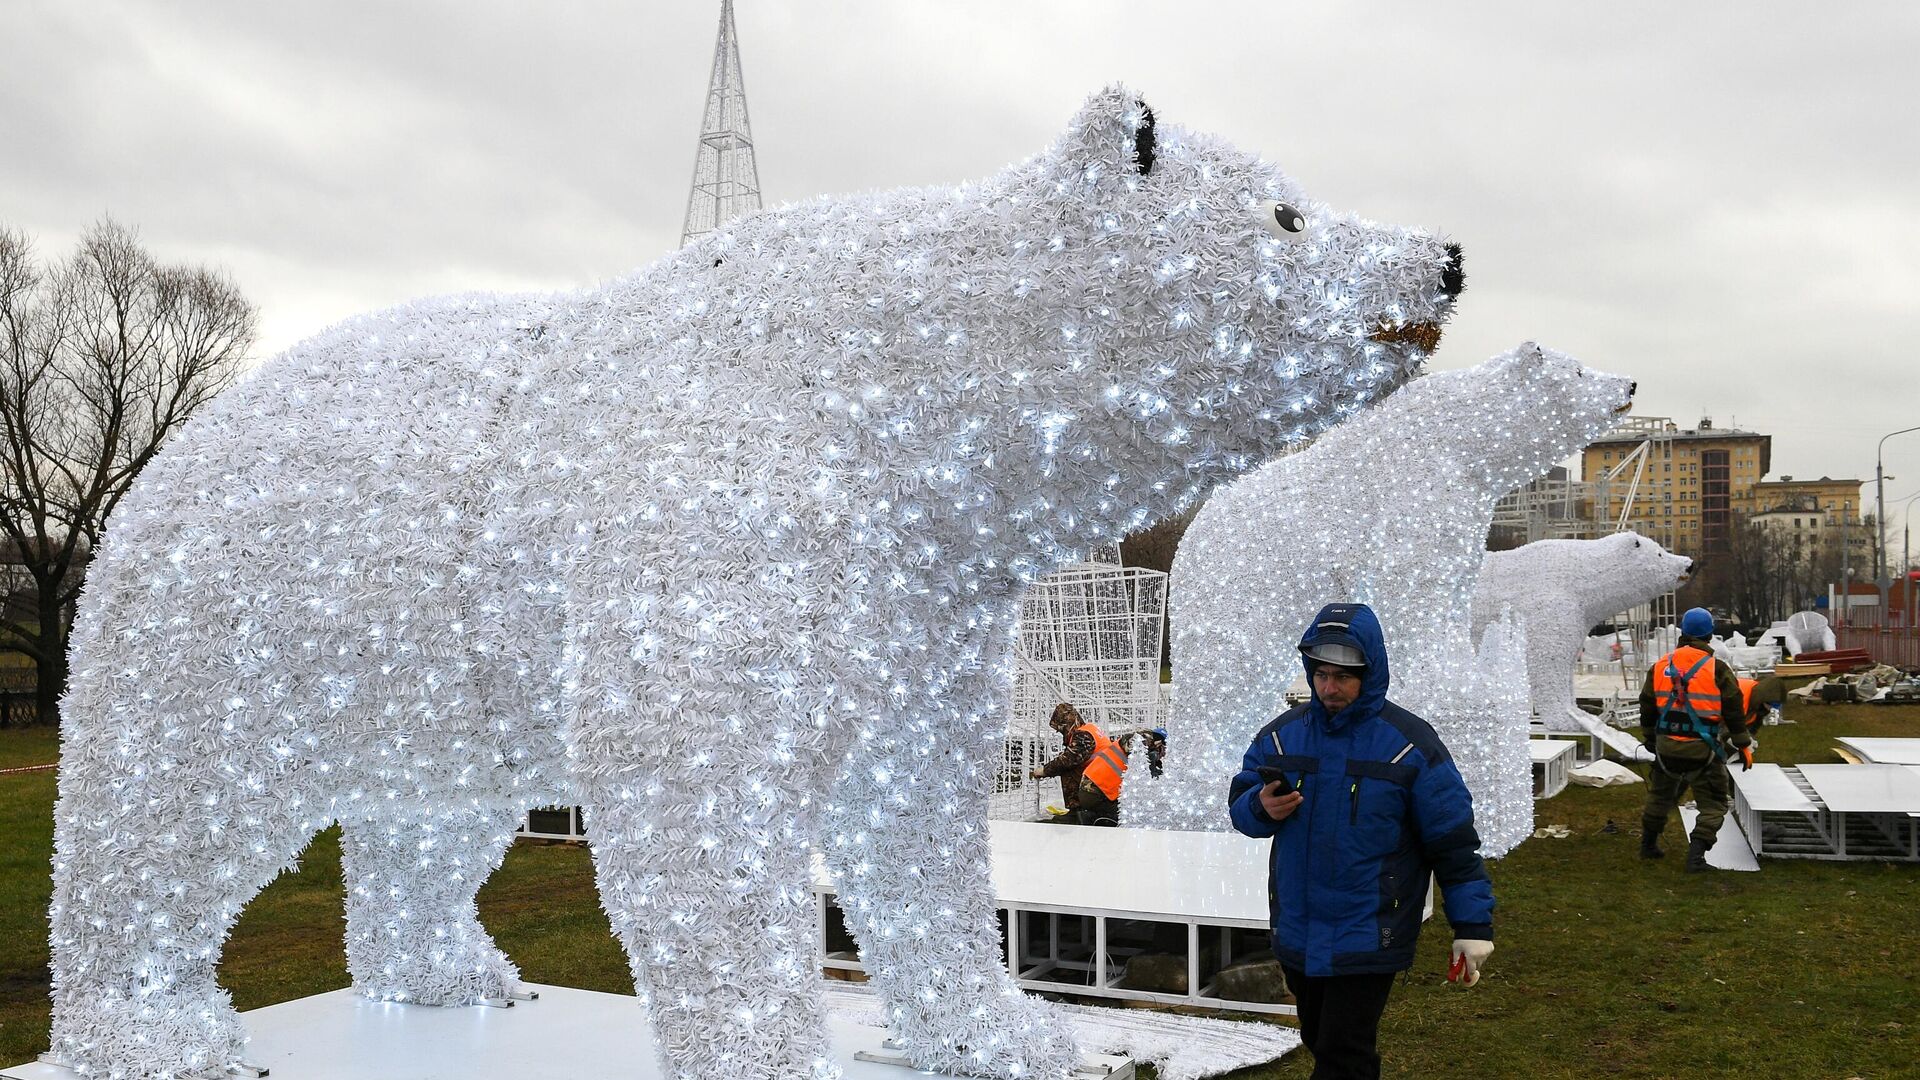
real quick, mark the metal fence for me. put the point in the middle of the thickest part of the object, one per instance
(1896, 645)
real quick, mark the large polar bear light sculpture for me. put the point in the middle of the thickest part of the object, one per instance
(1390, 509)
(1559, 588)
(730, 551)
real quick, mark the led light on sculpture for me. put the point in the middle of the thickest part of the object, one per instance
(1559, 588)
(728, 551)
(1391, 509)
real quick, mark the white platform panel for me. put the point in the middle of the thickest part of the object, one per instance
(1220, 877)
(1866, 789)
(1884, 751)
(1730, 850)
(1767, 787)
(566, 1035)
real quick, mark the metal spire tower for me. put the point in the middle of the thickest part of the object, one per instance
(726, 181)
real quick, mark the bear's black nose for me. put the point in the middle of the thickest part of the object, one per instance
(1454, 277)
(1632, 387)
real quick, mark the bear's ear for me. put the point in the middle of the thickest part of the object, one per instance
(1524, 357)
(1112, 137)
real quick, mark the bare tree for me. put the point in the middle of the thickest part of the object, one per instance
(101, 358)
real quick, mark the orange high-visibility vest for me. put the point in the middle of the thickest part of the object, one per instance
(1683, 683)
(1746, 696)
(1107, 765)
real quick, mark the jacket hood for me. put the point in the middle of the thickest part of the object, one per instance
(1354, 625)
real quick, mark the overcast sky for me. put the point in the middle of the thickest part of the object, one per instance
(1717, 199)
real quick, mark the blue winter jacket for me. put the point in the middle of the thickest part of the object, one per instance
(1383, 806)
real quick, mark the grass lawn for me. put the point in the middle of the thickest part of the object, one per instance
(1605, 965)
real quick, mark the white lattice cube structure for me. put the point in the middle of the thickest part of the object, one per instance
(1090, 635)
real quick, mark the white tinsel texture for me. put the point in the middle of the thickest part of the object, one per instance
(1389, 509)
(728, 551)
(1560, 588)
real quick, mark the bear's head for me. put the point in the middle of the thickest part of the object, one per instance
(1080, 344)
(1631, 569)
(1506, 420)
(1192, 313)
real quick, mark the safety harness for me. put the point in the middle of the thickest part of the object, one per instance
(1680, 694)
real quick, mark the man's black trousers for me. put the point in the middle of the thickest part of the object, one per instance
(1340, 1021)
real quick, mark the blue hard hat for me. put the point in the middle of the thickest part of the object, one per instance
(1697, 623)
(1159, 733)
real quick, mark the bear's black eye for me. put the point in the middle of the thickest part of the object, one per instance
(1281, 220)
(1636, 543)
(1143, 141)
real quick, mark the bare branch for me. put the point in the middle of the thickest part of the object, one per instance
(102, 357)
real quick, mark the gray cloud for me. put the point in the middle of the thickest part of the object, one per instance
(1715, 199)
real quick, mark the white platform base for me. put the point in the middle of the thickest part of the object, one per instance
(566, 1035)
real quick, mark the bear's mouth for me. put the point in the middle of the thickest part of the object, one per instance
(1424, 336)
(1623, 408)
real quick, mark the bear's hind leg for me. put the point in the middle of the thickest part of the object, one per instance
(413, 933)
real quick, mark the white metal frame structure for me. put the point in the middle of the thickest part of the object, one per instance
(1546, 509)
(1072, 928)
(1090, 635)
(726, 177)
(1552, 761)
(1586, 745)
(1830, 811)
(554, 823)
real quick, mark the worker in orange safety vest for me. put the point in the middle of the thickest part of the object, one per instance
(1092, 765)
(1693, 716)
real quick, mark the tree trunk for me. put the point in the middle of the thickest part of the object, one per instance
(50, 674)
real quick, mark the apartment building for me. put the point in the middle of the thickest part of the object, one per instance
(1681, 486)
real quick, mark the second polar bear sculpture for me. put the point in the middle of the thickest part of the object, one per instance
(1560, 588)
(1390, 509)
(728, 551)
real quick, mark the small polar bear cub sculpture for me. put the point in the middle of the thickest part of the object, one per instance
(1389, 509)
(729, 552)
(1560, 588)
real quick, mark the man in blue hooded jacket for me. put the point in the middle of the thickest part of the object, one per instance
(1362, 802)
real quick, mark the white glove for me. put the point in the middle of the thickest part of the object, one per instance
(1468, 955)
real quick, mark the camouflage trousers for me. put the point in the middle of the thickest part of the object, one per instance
(1712, 791)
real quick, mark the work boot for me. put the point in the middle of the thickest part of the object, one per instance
(1650, 837)
(1697, 856)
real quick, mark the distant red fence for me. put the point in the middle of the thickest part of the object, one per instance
(1896, 645)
